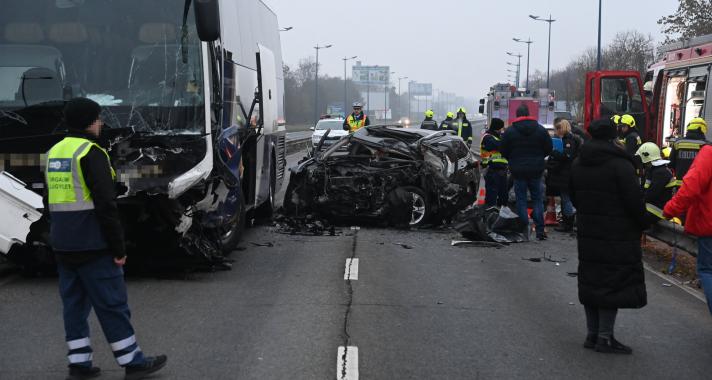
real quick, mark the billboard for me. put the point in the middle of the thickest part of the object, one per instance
(379, 75)
(420, 89)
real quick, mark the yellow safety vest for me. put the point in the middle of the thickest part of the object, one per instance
(488, 156)
(354, 124)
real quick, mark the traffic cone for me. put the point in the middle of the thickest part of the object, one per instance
(550, 215)
(482, 192)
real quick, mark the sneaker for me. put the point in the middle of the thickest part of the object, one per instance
(151, 365)
(81, 373)
(541, 237)
(612, 346)
(590, 341)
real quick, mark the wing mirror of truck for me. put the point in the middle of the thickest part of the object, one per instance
(207, 19)
(482, 109)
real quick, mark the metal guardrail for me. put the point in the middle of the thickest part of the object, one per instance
(673, 235)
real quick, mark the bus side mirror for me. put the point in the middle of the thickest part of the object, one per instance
(482, 102)
(207, 19)
(482, 109)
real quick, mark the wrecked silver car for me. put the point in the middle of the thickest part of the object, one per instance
(403, 177)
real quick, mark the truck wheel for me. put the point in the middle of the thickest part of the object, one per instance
(231, 235)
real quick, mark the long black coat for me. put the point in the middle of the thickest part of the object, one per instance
(611, 217)
(559, 165)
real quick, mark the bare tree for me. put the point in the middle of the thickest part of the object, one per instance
(693, 18)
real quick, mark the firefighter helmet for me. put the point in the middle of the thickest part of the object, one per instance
(450, 115)
(628, 120)
(429, 113)
(616, 119)
(462, 110)
(697, 124)
(649, 152)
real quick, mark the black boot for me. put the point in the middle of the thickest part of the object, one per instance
(152, 364)
(81, 373)
(590, 341)
(612, 346)
(566, 225)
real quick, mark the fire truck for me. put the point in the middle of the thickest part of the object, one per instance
(673, 92)
(503, 100)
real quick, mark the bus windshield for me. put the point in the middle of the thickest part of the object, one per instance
(139, 59)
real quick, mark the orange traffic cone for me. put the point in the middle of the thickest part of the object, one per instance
(550, 215)
(482, 192)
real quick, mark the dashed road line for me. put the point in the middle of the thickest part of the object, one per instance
(347, 363)
(351, 269)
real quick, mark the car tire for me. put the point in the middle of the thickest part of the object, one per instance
(231, 237)
(417, 202)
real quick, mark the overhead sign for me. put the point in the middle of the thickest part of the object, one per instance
(374, 75)
(420, 89)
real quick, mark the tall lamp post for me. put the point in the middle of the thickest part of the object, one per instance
(519, 65)
(316, 82)
(516, 77)
(385, 96)
(346, 59)
(400, 109)
(529, 45)
(548, 62)
(600, 14)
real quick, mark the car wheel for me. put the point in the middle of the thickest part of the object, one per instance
(231, 235)
(409, 205)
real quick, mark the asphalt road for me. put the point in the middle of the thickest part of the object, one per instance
(418, 309)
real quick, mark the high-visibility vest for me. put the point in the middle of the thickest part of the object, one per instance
(491, 156)
(685, 151)
(354, 124)
(73, 226)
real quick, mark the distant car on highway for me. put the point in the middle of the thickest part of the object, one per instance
(335, 128)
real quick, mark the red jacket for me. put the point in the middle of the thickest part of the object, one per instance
(695, 196)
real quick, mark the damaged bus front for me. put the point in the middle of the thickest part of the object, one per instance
(194, 143)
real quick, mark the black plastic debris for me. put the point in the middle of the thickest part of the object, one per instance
(403, 245)
(268, 244)
(307, 225)
(478, 223)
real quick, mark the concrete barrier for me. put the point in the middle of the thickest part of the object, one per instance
(673, 235)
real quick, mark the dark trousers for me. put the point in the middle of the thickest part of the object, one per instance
(496, 190)
(600, 322)
(99, 284)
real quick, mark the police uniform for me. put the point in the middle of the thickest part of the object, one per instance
(353, 123)
(86, 236)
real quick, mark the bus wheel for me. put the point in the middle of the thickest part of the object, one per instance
(266, 209)
(232, 233)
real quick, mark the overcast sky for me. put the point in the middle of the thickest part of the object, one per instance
(458, 45)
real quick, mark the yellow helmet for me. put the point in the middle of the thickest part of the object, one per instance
(429, 113)
(616, 119)
(666, 152)
(649, 152)
(696, 124)
(451, 115)
(628, 120)
(462, 110)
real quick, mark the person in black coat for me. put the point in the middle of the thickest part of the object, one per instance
(526, 144)
(559, 171)
(611, 217)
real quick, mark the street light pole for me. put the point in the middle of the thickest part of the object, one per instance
(529, 45)
(519, 66)
(345, 99)
(600, 13)
(400, 109)
(316, 82)
(548, 63)
(385, 96)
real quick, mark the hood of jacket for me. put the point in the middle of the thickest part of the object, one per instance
(526, 125)
(596, 152)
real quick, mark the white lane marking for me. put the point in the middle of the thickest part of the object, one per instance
(349, 353)
(355, 228)
(677, 283)
(351, 269)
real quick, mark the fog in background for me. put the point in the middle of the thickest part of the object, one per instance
(459, 46)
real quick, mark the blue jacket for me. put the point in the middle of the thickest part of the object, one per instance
(526, 144)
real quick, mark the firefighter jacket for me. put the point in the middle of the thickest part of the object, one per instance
(684, 152)
(463, 129)
(631, 141)
(429, 124)
(657, 188)
(446, 125)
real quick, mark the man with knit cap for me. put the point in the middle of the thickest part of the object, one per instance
(87, 238)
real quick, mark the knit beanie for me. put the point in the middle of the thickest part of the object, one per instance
(602, 129)
(496, 124)
(80, 113)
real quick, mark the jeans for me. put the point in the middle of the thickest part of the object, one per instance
(567, 207)
(535, 187)
(496, 193)
(600, 322)
(704, 267)
(98, 284)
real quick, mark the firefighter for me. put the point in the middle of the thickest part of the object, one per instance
(447, 123)
(685, 150)
(463, 126)
(496, 175)
(87, 238)
(628, 134)
(659, 181)
(357, 119)
(429, 123)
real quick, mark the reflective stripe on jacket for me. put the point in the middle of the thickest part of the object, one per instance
(73, 224)
(356, 124)
(491, 156)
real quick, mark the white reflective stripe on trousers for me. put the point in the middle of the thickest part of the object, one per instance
(78, 343)
(80, 358)
(126, 359)
(123, 343)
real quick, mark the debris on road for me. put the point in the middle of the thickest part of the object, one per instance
(308, 225)
(403, 245)
(484, 244)
(572, 274)
(532, 259)
(268, 244)
(478, 223)
(667, 285)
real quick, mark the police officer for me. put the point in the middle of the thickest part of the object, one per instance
(429, 123)
(463, 126)
(447, 123)
(357, 119)
(87, 238)
(685, 150)
(628, 134)
(496, 193)
(659, 181)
